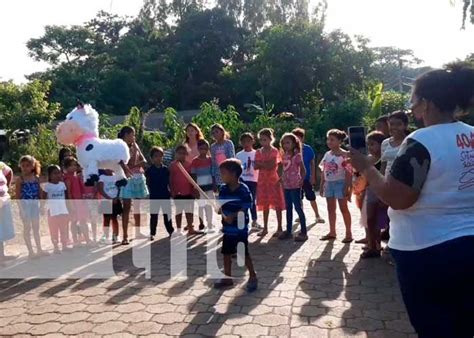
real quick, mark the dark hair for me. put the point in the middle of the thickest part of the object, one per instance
(339, 134)
(51, 169)
(450, 89)
(62, 154)
(221, 128)
(399, 115)
(300, 132)
(125, 131)
(383, 119)
(155, 150)
(247, 135)
(232, 165)
(181, 147)
(34, 162)
(69, 161)
(199, 135)
(203, 142)
(294, 139)
(268, 132)
(376, 136)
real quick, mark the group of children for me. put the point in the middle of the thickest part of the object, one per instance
(253, 179)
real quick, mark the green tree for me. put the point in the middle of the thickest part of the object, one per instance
(25, 106)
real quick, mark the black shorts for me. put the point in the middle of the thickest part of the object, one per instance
(184, 203)
(308, 191)
(117, 208)
(230, 243)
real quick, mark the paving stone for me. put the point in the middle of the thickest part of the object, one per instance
(44, 318)
(74, 317)
(178, 329)
(110, 327)
(365, 324)
(271, 320)
(250, 330)
(168, 318)
(309, 331)
(129, 308)
(15, 329)
(135, 317)
(403, 326)
(77, 328)
(42, 329)
(144, 328)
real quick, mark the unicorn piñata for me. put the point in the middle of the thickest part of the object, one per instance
(81, 129)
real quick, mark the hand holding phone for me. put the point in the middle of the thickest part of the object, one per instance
(357, 137)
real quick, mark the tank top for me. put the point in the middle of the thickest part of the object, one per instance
(30, 190)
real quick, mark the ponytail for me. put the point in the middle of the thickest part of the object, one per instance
(451, 89)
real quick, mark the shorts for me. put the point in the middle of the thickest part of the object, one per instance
(117, 208)
(30, 210)
(308, 191)
(184, 203)
(135, 189)
(334, 189)
(231, 242)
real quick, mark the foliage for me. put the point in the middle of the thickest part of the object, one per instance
(42, 145)
(25, 106)
(465, 11)
(174, 128)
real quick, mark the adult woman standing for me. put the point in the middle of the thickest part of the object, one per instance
(430, 189)
(193, 135)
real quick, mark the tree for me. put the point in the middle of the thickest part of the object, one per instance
(25, 106)
(466, 5)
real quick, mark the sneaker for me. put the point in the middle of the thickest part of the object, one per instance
(252, 285)
(103, 240)
(301, 238)
(285, 235)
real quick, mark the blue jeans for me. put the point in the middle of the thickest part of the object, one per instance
(293, 198)
(253, 190)
(437, 287)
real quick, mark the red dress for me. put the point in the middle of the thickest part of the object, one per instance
(78, 212)
(269, 189)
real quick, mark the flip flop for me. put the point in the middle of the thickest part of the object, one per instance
(328, 238)
(347, 240)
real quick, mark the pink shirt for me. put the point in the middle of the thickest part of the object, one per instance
(75, 184)
(292, 171)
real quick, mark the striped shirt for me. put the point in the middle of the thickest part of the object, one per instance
(201, 169)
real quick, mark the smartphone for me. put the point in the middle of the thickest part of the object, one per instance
(357, 138)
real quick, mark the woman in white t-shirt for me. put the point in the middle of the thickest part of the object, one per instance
(398, 126)
(430, 191)
(7, 231)
(54, 192)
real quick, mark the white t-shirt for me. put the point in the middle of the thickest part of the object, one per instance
(389, 154)
(109, 185)
(248, 165)
(56, 195)
(334, 167)
(5, 170)
(445, 208)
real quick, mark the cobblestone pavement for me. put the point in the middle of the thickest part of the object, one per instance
(314, 289)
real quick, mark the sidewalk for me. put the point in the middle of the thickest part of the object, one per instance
(314, 289)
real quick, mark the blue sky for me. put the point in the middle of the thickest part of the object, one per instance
(430, 27)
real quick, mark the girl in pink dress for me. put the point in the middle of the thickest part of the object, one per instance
(269, 189)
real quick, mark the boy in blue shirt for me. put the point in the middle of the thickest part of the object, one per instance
(309, 160)
(235, 198)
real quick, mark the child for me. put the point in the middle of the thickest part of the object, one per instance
(7, 230)
(58, 216)
(292, 179)
(221, 150)
(309, 160)
(89, 195)
(63, 154)
(181, 189)
(249, 174)
(398, 125)
(77, 206)
(28, 191)
(381, 125)
(136, 186)
(336, 183)
(107, 188)
(374, 212)
(158, 181)
(236, 198)
(269, 190)
(201, 170)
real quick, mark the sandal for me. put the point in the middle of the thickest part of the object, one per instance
(252, 285)
(223, 283)
(125, 242)
(328, 238)
(370, 254)
(262, 233)
(361, 241)
(347, 240)
(277, 234)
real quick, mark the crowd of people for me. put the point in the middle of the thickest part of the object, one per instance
(426, 178)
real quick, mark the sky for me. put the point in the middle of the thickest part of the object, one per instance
(430, 27)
